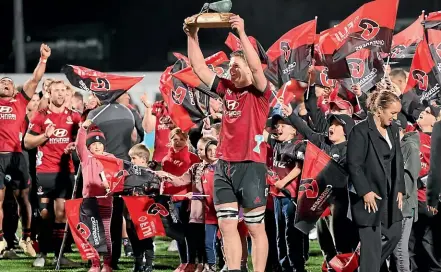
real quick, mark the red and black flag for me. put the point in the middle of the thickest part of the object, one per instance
(405, 42)
(124, 176)
(321, 77)
(323, 57)
(86, 226)
(106, 87)
(320, 175)
(366, 69)
(433, 21)
(434, 41)
(370, 27)
(291, 55)
(423, 80)
(154, 217)
(290, 91)
(233, 42)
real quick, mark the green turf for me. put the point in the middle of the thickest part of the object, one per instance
(164, 261)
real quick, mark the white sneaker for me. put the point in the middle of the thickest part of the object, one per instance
(313, 234)
(3, 246)
(10, 255)
(173, 247)
(40, 261)
(27, 247)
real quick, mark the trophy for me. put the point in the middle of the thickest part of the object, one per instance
(218, 19)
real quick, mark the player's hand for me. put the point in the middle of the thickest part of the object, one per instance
(49, 130)
(45, 51)
(86, 124)
(370, 203)
(237, 23)
(146, 101)
(191, 31)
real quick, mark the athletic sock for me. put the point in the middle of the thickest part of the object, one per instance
(25, 234)
(57, 235)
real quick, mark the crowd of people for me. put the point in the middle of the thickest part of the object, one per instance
(388, 212)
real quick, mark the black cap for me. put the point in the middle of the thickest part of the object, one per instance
(434, 110)
(345, 120)
(276, 118)
(401, 121)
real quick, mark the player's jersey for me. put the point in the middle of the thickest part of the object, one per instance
(51, 157)
(12, 117)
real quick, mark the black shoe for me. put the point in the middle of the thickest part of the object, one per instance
(138, 268)
(127, 247)
(148, 268)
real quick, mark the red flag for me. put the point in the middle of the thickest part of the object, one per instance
(320, 174)
(233, 42)
(123, 175)
(433, 20)
(86, 227)
(405, 42)
(106, 87)
(290, 91)
(325, 49)
(146, 216)
(434, 41)
(371, 27)
(291, 55)
(366, 70)
(422, 76)
(321, 77)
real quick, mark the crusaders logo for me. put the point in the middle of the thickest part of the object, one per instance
(156, 208)
(357, 67)
(422, 78)
(216, 69)
(178, 95)
(83, 230)
(286, 49)
(397, 51)
(310, 188)
(100, 84)
(370, 29)
(324, 79)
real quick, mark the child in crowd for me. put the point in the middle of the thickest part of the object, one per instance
(139, 156)
(87, 145)
(178, 160)
(201, 177)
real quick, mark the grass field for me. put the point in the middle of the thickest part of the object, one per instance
(164, 261)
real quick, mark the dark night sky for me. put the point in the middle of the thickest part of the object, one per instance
(138, 35)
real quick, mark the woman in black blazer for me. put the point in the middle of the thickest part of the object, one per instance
(376, 171)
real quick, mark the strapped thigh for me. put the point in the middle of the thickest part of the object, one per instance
(254, 217)
(227, 213)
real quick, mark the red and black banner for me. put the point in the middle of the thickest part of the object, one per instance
(187, 107)
(370, 27)
(405, 42)
(290, 91)
(125, 176)
(433, 21)
(366, 69)
(321, 77)
(154, 217)
(233, 42)
(291, 55)
(86, 226)
(106, 87)
(320, 175)
(434, 41)
(423, 75)
(324, 50)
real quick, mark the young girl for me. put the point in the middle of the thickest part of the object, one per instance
(201, 177)
(89, 144)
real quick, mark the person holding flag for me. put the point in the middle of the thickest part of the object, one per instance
(53, 130)
(241, 168)
(87, 145)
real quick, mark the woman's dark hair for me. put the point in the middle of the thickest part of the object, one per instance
(380, 99)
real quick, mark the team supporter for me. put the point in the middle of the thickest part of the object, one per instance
(13, 167)
(287, 164)
(157, 119)
(241, 168)
(202, 211)
(53, 130)
(177, 161)
(78, 102)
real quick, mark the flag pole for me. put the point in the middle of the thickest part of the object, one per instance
(356, 97)
(387, 64)
(309, 85)
(74, 192)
